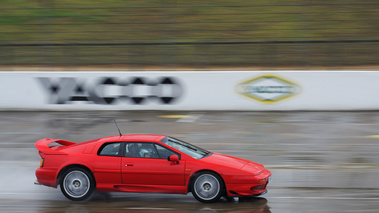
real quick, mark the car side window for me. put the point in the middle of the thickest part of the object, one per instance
(163, 152)
(110, 149)
(140, 150)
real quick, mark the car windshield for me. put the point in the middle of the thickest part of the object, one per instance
(189, 149)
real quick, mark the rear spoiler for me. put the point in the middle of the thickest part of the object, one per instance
(43, 145)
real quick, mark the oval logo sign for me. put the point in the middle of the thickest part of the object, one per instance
(268, 88)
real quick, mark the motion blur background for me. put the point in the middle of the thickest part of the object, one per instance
(321, 161)
(165, 34)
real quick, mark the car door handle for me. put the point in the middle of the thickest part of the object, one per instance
(129, 164)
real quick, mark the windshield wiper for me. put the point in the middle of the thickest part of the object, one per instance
(185, 145)
(190, 147)
(206, 155)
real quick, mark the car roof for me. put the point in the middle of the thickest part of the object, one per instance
(134, 137)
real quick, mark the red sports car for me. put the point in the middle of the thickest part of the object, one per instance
(146, 163)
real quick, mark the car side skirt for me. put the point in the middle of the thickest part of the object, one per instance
(141, 188)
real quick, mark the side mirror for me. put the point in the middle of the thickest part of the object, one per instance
(173, 158)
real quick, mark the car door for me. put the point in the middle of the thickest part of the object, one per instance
(146, 163)
(107, 164)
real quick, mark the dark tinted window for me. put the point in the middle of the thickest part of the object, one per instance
(163, 152)
(110, 149)
(147, 150)
(140, 150)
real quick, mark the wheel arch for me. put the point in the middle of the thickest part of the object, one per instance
(195, 174)
(66, 168)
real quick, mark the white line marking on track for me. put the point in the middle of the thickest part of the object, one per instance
(191, 118)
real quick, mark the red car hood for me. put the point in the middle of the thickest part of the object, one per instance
(225, 160)
(234, 162)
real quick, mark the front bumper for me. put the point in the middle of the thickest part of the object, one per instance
(249, 186)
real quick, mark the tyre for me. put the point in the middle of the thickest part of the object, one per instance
(77, 184)
(207, 187)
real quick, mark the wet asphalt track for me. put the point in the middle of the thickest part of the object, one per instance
(320, 161)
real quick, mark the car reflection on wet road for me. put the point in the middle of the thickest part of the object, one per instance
(320, 161)
(135, 204)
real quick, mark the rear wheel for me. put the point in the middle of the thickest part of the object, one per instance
(207, 187)
(77, 184)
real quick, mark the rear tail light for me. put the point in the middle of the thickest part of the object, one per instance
(42, 162)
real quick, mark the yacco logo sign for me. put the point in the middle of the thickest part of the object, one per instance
(268, 88)
(110, 90)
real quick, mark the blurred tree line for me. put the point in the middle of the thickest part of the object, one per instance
(189, 34)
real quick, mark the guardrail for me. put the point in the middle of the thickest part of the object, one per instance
(199, 54)
(228, 90)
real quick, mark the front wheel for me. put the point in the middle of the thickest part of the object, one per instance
(207, 187)
(77, 184)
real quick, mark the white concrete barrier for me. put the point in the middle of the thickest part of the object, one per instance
(234, 90)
